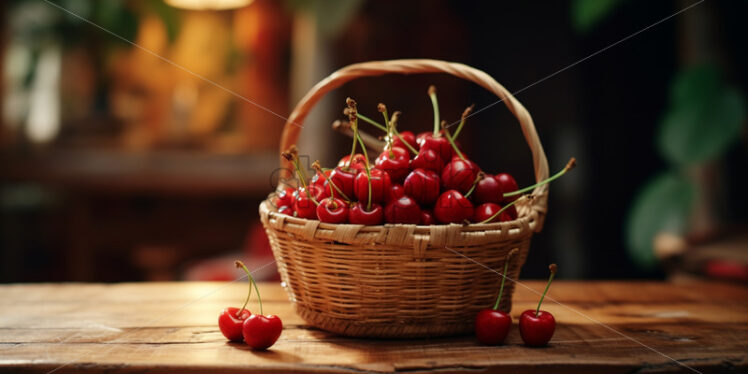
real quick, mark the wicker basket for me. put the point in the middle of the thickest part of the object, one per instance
(394, 280)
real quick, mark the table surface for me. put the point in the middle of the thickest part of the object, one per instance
(171, 327)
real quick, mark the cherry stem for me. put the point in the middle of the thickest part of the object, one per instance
(452, 141)
(435, 104)
(352, 118)
(291, 156)
(252, 281)
(368, 172)
(379, 126)
(475, 183)
(570, 165)
(553, 268)
(465, 115)
(383, 109)
(489, 219)
(321, 170)
(509, 258)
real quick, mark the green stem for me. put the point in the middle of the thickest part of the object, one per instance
(475, 183)
(303, 181)
(568, 167)
(389, 133)
(368, 172)
(371, 121)
(553, 269)
(435, 104)
(489, 219)
(465, 115)
(459, 128)
(503, 278)
(354, 125)
(251, 282)
(410, 147)
(452, 143)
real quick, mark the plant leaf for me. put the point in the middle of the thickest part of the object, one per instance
(704, 118)
(663, 204)
(587, 13)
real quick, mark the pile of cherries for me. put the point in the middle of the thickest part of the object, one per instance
(424, 179)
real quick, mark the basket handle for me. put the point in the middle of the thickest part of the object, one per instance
(419, 66)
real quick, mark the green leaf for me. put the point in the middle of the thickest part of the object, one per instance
(662, 205)
(704, 118)
(587, 13)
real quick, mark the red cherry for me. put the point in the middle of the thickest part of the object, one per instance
(536, 331)
(488, 190)
(332, 210)
(508, 184)
(427, 159)
(536, 326)
(459, 175)
(488, 210)
(303, 205)
(395, 162)
(403, 210)
(396, 191)
(288, 210)
(409, 138)
(230, 323)
(440, 144)
(358, 163)
(427, 218)
(380, 185)
(344, 179)
(422, 185)
(359, 215)
(492, 326)
(318, 179)
(452, 207)
(284, 198)
(261, 332)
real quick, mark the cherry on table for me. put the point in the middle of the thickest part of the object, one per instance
(230, 322)
(492, 325)
(536, 326)
(260, 331)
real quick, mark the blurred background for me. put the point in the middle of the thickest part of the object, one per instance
(137, 138)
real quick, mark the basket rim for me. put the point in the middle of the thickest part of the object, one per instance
(527, 220)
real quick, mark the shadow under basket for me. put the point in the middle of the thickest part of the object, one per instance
(397, 280)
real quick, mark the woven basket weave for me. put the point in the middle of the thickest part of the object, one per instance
(395, 280)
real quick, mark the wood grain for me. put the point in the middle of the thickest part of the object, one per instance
(171, 328)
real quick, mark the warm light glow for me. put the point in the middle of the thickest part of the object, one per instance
(208, 4)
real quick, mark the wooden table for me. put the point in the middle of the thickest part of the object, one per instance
(171, 327)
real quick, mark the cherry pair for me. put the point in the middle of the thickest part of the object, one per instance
(256, 330)
(536, 326)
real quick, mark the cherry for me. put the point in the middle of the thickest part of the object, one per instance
(492, 325)
(259, 331)
(320, 177)
(407, 138)
(427, 159)
(284, 198)
(488, 190)
(304, 205)
(379, 183)
(288, 210)
(427, 218)
(453, 207)
(359, 215)
(339, 183)
(487, 213)
(506, 184)
(332, 210)
(395, 162)
(459, 175)
(357, 162)
(396, 191)
(437, 143)
(422, 185)
(403, 210)
(231, 320)
(536, 327)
